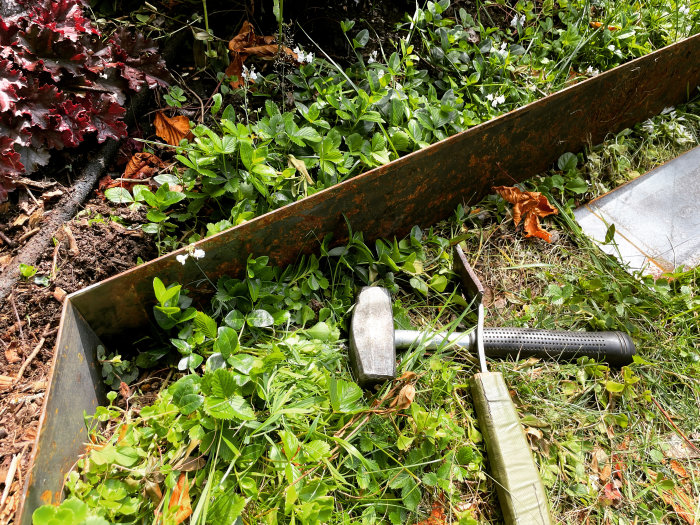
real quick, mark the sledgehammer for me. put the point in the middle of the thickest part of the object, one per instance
(373, 343)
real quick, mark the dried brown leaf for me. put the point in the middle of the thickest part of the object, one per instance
(172, 129)
(142, 165)
(405, 397)
(11, 354)
(528, 206)
(246, 43)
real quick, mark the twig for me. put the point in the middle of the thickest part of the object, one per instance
(31, 357)
(6, 239)
(8, 479)
(55, 259)
(73, 244)
(675, 427)
(31, 194)
(29, 234)
(19, 321)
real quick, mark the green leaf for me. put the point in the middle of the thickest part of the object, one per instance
(290, 444)
(205, 324)
(344, 395)
(260, 318)
(610, 234)
(361, 39)
(411, 495)
(235, 319)
(222, 399)
(118, 195)
(567, 162)
(226, 342)
(614, 387)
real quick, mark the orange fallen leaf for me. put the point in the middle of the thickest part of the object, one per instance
(528, 206)
(596, 25)
(405, 397)
(172, 129)
(677, 498)
(246, 43)
(437, 515)
(180, 500)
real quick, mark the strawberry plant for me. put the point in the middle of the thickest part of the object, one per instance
(60, 81)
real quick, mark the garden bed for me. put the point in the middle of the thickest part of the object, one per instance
(99, 259)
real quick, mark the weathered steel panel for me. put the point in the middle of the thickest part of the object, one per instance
(75, 385)
(423, 187)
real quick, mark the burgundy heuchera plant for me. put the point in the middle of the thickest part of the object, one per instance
(59, 81)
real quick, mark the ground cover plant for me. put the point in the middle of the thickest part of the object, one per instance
(297, 130)
(62, 82)
(263, 421)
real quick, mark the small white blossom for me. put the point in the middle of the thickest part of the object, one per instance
(198, 253)
(648, 126)
(592, 72)
(309, 58)
(684, 10)
(495, 99)
(372, 57)
(182, 259)
(669, 109)
(380, 73)
(518, 21)
(298, 52)
(249, 75)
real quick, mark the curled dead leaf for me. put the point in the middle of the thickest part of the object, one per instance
(405, 397)
(142, 165)
(407, 376)
(172, 129)
(246, 43)
(528, 206)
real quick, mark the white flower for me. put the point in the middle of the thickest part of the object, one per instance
(495, 99)
(182, 258)
(198, 253)
(372, 57)
(298, 52)
(309, 58)
(684, 10)
(592, 72)
(518, 21)
(249, 75)
(380, 73)
(669, 109)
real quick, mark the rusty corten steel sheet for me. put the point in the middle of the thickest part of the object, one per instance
(75, 385)
(421, 188)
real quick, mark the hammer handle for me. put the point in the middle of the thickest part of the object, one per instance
(615, 348)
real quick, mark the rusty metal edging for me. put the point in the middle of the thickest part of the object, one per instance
(420, 188)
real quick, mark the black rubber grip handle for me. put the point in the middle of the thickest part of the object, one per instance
(615, 348)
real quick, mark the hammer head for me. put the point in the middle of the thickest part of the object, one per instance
(372, 350)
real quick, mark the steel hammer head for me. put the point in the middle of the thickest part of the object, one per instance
(372, 350)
